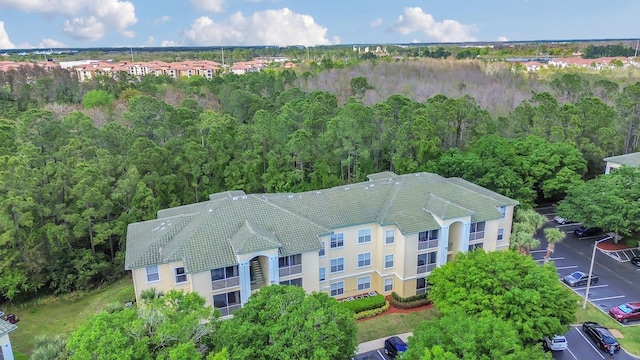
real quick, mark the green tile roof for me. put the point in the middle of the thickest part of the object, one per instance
(632, 159)
(210, 234)
(6, 327)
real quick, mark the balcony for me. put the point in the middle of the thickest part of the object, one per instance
(427, 244)
(290, 270)
(425, 268)
(225, 283)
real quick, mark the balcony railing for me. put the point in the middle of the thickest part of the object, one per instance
(290, 270)
(229, 309)
(426, 268)
(225, 283)
(427, 244)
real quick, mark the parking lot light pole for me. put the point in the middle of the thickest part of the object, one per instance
(593, 257)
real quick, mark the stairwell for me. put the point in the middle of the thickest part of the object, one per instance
(257, 278)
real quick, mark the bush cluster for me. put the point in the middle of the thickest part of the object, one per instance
(372, 312)
(409, 302)
(364, 304)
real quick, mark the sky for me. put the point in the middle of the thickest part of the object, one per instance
(26, 24)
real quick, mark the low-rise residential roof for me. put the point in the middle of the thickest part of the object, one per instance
(210, 234)
(631, 159)
(6, 327)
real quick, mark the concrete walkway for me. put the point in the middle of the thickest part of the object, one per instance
(379, 343)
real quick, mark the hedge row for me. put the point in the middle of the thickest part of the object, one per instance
(410, 302)
(364, 304)
(372, 312)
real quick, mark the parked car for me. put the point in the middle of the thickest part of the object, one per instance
(625, 312)
(584, 231)
(578, 278)
(560, 220)
(601, 336)
(555, 342)
(636, 260)
(394, 346)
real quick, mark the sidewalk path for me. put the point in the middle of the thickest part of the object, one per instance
(378, 343)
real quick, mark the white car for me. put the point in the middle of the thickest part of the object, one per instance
(555, 342)
(560, 220)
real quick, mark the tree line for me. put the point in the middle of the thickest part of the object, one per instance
(79, 162)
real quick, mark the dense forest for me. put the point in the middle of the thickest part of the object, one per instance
(80, 161)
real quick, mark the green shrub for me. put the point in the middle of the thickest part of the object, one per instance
(410, 302)
(631, 242)
(372, 312)
(364, 304)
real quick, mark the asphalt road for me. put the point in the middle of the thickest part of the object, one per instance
(581, 347)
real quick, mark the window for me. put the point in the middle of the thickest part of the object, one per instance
(289, 265)
(426, 262)
(337, 240)
(323, 274)
(337, 265)
(388, 284)
(476, 231)
(291, 260)
(322, 251)
(364, 283)
(180, 275)
(364, 259)
(422, 286)
(293, 282)
(428, 239)
(389, 237)
(225, 277)
(475, 246)
(227, 303)
(388, 261)
(337, 288)
(500, 234)
(364, 236)
(503, 211)
(152, 273)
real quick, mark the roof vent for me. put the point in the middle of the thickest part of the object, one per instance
(366, 188)
(347, 188)
(210, 210)
(290, 196)
(234, 198)
(244, 197)
(318, 192)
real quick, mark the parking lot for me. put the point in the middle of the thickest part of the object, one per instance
(617, 276)
(580, 347)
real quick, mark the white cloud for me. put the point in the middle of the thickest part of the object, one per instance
(5, 43)
(270, 27)
(502, 38)
(128, 34)
(161, 20)
(415, 20)
(51, 43)
(151, 40)
(116, 15)
(216, 6)
(375, 23)
(84, 28)
(168, 43)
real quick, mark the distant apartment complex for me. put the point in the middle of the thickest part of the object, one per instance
(382, 235)
(87, 69)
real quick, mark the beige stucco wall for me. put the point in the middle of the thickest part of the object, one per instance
(166, 282)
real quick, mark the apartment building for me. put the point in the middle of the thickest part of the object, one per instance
(382, 235)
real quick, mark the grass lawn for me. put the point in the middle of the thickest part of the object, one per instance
(61, 315)
(391, 324)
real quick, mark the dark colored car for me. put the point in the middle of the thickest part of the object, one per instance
(625, 312)
(584, 231)
(578, 278)
(601, 336)
(394, 346)
(636, 261)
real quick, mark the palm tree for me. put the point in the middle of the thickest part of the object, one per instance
(49, 348)
(554, 236)
(528, 221)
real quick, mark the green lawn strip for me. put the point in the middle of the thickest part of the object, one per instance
(631, 334)
(61, 315)
(391, 324)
